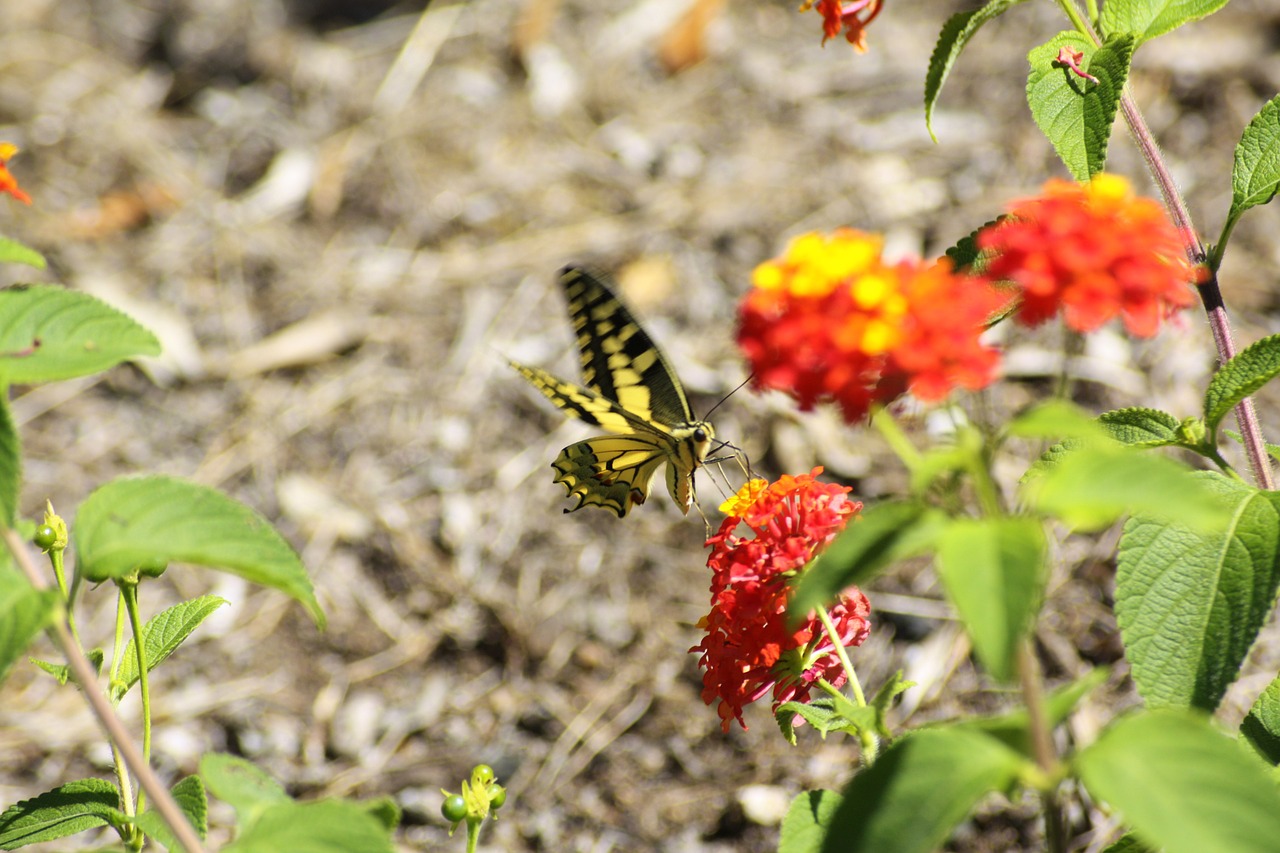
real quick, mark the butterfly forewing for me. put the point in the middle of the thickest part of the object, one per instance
(618, 358)
(631, 391)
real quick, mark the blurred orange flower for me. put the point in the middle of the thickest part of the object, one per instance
(8, 183)
(1093, 252)
(831, 321)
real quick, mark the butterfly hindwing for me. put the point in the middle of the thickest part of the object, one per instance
(631, 391)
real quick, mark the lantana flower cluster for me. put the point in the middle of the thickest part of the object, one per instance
(830, 320)
(1092, 252)
(853, 18)
(749, 651)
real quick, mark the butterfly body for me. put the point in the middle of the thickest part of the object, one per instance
(629, 390)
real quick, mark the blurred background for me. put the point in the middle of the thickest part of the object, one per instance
(342, 217)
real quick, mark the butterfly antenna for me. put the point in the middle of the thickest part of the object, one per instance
(730, 394)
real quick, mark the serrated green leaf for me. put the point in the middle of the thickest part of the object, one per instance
(241, 785)
(883, 700)
(1255, 176)
(10, 464)
(805, 826)
(1182, 786)
(1253, 367)
(24, 612)
(955, 34)
(50, 333)
(1076, 114)
(13, 252)
(1092, 484)
(1013, 728)
(994, 574)
(877, 538)
(1141, 427)
(66, 810)
(940, 773)
(1190, 603)
(326, 826)
(820, 713)
(1260, 729)
(163, 633)
(63, 672)
(139, 521)
(1151, 18)
(190, 796)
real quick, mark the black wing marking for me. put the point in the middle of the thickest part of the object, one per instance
(619, 360)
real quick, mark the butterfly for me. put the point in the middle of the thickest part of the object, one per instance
(631, 391)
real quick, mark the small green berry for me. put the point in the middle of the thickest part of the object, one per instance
(46, 537)
(481, 774)
(454, 808)
(498, 797)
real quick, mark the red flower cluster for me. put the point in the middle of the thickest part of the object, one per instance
(1093, 252)
(749, 650)
(829, 320)
(8, 183)
(853, 18)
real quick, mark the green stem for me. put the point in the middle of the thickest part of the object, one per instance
(1073, 14)
(870, 743)
(473, 834)
(1042, 745)
(896, 438)
(130, 592)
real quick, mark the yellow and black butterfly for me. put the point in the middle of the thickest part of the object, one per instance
(631, 391)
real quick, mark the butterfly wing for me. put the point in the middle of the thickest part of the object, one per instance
(619, 360)
(614, 472)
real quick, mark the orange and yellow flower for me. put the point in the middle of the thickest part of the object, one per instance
(831, 321)
(1092, 252)
(749, 651)
(8, 183)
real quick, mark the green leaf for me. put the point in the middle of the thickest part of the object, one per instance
(1255, 177)
(62, 672)
(1013, 728)
(821, 714)
(194, 803)
(66, 810)
(326, 826)
(918, 790)
(1091, 484)
(384, 809)
(51, 333)
(1128, 843)
(1260, 729)
(140, 521)
(1076, 114)
(10, 464)
(955, 34)
(1140, 427)
(1253, 367)
(1151, 18)
(1190, 603)
(874, 540)
(994, 574)
(24, 612)
(1183, 786)
(241, 785)
(13, 252)
(1056, 419)
(805, 826)
(163, 633)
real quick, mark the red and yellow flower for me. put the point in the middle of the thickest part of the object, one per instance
(853, 18)
(1092, 252)
(831, 321)
(749, 651)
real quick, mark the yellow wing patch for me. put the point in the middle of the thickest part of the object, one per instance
(630, 391)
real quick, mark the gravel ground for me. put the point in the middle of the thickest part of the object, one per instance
(341, 218)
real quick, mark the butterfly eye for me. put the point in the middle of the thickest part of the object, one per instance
(699, 434)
